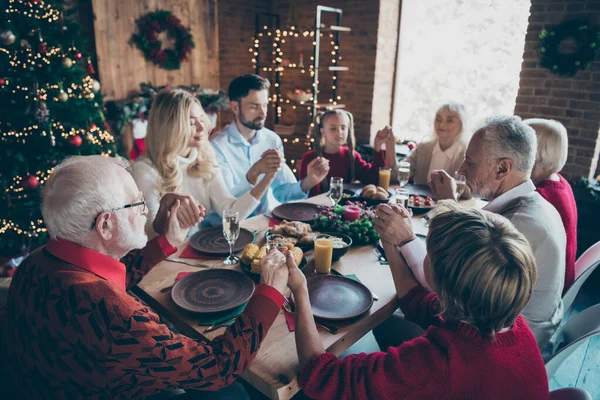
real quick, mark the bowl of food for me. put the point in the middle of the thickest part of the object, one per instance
(341, 244)
(347, 195)
(252, 254)
(374, 195)
(420, 204)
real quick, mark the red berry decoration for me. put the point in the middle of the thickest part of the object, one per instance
(31, 182)
(78, 55)
(75, 141)
(411, 145)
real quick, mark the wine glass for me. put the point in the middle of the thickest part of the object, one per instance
(461, 184)
(403, 173)
(231, 231)
(336, 188)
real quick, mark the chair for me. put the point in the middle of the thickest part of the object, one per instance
(570, 394)
(570, 336)
(584, 266)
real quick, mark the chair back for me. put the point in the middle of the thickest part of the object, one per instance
(584, 266)
(570, 336)
(570, 393)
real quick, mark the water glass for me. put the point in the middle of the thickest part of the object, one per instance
(276, 241)
(403, 173)
(461, 184)
(402, 196)
(231, 231)
(336, 189)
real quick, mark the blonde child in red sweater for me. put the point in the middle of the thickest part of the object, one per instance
(335, 141)
(477, 345)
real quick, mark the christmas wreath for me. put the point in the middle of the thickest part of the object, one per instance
(587, 40)
(149, 26)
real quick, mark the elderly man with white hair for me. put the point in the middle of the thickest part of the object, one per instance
(73, 331)
(498, 165)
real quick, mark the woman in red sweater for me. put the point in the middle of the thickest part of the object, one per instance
(477, 345)
(553, 145)
(334, 140)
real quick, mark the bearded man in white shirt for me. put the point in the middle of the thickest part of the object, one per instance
(497, 167)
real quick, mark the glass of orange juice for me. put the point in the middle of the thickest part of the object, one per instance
(384, 177)
(323, 254)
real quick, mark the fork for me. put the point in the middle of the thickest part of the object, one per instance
(175, 260)
(331, 329)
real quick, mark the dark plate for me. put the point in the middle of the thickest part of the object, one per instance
(421, 190)
(337, 298)
(212, 291)
(421, 209)
(348, 195)
(212, 241)
(247, 268)
(303, 212)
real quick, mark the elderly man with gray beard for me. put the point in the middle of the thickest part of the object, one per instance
(72, 330)
(497, 167)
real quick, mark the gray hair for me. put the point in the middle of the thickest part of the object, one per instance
(80, 188)
(509, 137)
(553, 144)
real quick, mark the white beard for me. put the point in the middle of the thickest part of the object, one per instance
(130, 238)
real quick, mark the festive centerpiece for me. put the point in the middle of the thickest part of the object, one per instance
(354, 220)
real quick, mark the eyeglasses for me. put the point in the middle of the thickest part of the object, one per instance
(138, 204)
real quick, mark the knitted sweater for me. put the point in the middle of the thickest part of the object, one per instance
(450, 361)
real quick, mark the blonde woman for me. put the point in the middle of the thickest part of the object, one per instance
(179, 158)
(447, 148)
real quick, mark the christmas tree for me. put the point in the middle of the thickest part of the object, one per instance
(51, 109)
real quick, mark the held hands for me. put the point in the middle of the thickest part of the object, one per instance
(271, 162)
(385, 136)
(442, 185)
(316, 171)
(189, 213)
(274, 271)
(392, 222)
(296, 280)
(176, 231)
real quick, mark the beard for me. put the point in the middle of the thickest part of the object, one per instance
(131, 236)
(256, 124)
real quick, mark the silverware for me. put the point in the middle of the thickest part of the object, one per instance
(221, 324)
(333, 271)
(331, 329)
(166, 289)
(175, 260)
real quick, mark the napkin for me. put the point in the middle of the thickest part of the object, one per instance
(273, 222)
(189, 252)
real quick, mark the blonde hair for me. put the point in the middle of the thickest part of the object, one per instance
(460, 110)
(483, 269)
(168, 135)
(552, 145)
(319, 143)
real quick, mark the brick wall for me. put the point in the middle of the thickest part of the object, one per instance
(574, 101)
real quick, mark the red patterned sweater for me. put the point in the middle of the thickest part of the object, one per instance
(450, 361)
(73, 332)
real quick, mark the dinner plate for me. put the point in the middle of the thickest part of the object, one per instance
(337, 298)
(303, 212)
(212, 241)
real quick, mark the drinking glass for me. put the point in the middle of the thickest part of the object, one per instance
(402, 197)
(403, 173)
(231, 231)
(276, 241)
(323, 254)
(336, 188)
(461, 184)
(384, 177)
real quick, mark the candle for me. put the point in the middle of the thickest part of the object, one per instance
(351, 213)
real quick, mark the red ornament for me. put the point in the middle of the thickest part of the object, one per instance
(35, 1)
(31, 182)
(411, 145)
(78, 55)
(93, 126)
(42, 48)
(75, 141)
(2, 81)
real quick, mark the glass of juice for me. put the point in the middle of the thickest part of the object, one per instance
(384, 177)
(323, 254)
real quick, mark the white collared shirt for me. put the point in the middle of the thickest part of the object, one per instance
(445, 159)
(414, 252)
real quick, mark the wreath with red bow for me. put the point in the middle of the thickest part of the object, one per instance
(146, 39)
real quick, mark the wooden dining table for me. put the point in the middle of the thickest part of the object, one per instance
(274, 370)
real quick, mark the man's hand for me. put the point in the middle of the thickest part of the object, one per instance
(316, 171)
(190, 212)
(385, 136)
(176, 232)
(271, 161)
(296, 280)
(274, 271)
(442, 185)
(393, 224)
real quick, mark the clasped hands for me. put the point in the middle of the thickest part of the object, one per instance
(394, 225)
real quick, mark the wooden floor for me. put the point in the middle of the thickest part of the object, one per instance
(581, 369)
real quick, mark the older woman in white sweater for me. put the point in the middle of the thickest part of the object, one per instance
(179, 158)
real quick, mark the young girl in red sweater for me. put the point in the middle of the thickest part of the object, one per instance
(335, 141)
(477, 345)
